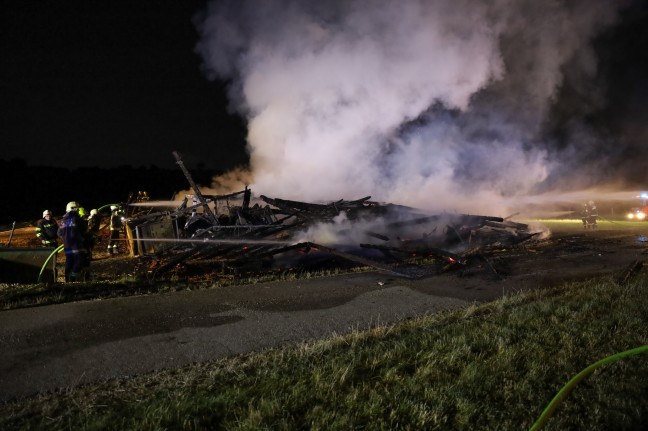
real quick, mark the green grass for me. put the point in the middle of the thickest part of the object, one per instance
(16, 295)
(490, 366)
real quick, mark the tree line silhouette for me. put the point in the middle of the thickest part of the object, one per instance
(29, 190)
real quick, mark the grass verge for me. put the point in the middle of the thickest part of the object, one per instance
(17, 295)
(490, 366)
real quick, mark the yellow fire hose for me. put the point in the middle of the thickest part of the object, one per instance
(106, 206)
(56, 250)
(562, 394)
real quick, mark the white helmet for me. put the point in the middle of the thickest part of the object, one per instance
(93, 212)
(72, 206)
(113, 207)
(46, 213)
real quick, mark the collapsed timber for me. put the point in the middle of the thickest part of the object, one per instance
(276, 234)
(229, 233)
(280, 234)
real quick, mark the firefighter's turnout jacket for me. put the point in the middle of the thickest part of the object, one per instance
(73, 231)
(46, 231)
(116, 226)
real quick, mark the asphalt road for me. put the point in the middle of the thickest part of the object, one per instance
(58, 346)
(64, 345)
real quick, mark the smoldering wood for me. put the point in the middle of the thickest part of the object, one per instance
(272, 233)
(458, 241)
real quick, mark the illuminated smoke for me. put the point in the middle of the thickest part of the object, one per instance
(433, 104)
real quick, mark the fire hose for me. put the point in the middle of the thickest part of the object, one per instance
(56, 250)
(106, 206)
(609, 221)
(59, 248)
(562, 394)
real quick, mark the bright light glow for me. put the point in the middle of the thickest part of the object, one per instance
(640, 215)
(644, 196)
(630, 216)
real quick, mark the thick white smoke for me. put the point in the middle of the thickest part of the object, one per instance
(434, 104)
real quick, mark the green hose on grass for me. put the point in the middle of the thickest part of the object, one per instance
(56, 250)
(562, 394)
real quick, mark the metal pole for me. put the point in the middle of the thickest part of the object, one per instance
(13, 227)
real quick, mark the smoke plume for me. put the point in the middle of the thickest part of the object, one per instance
(428, 103)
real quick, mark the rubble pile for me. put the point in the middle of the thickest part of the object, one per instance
(280, 234)
(235, 232)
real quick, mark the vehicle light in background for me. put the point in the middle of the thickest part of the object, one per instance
(639, 215)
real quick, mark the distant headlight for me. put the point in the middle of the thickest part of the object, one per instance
(640, 215)
(630, 215)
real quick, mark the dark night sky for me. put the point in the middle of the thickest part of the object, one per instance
(114, 83)
(110, 83)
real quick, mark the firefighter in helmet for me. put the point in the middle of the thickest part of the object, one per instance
(584, 214)
(94, 221)
(73, 231)
(46, 230)
(116, 226)
(592, 215)
(589, 215)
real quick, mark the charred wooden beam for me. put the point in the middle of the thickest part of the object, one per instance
(412, 222)
(177, 259)
(227, 196)
(279, 250)
(195, 188)
(454, 219)
(376, 235)
(429, 251)
(359, 259)
(292, 205)
(506, 225)
(315, 211)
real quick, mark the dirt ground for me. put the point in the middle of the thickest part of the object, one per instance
(63, 345)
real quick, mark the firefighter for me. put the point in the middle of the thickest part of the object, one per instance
(46, 230)
(88, 242)
(584, 215)
(94, 222)
(592, 215)
(73, 232)
(116, 225)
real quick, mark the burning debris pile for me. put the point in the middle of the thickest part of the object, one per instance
(235, 233)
